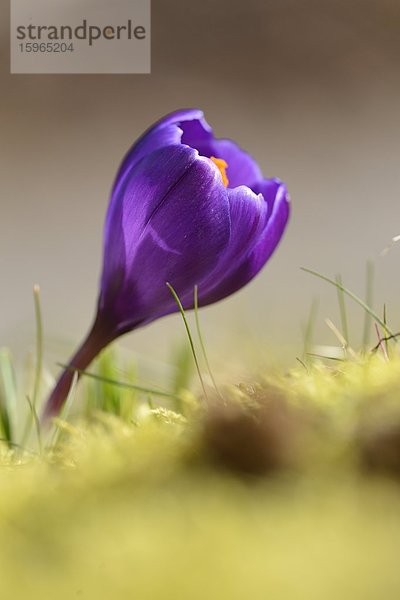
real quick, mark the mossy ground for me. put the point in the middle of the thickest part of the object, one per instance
(285, 488)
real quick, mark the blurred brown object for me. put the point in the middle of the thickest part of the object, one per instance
(255, 439)
(380, 450)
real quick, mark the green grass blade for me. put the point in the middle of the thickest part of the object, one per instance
(17, 446)
(183, 362)
(324, 357)
(183, 315)
(200, 336)
(308, 332)
(342, 308)
(351, 295)
(108, 398)
(128, 399)
(39, 363)
(39, 344)
(36, 421)
(368, 302)
(123, 384)
(385, 331)
(8, 395)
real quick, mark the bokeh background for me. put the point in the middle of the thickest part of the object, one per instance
(311, 88)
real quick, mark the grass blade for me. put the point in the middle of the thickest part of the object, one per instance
(342, 340)
(352, 296)
(39, 344)
(342, 308)
(8, 395)
(35, 419)
(183, 314)
(308, 332)
(183, 362)
(200, 336)
(39, 363)
(124, 384)
(368, 301)
(385, 331)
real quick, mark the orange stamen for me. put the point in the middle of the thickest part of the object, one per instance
(222, 165)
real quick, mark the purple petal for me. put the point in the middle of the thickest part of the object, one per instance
(165, 132)
(175, 223)
(277, 221)
(269, 189)
(241, 266)
(242, 168)
(248, 213)
(130, 210)
(190, 128)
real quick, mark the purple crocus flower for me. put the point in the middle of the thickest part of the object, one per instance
(186, 208)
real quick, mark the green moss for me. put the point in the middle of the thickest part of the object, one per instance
(158, 505)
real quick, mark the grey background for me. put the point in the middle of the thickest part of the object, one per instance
(310, 88)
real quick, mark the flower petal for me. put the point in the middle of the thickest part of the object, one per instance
(165, 132)
(248, 213)
(242, 168)
(190, 128)
(130, 209)
(269, 189)
(241, 266)
(175, 223)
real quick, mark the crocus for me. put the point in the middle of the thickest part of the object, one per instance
(186, 208)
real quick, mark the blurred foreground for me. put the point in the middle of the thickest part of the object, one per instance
(283, 488)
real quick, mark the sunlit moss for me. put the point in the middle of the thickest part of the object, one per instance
(139, 507)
